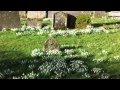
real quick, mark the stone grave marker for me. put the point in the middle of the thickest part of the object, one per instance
(34, 18)
(33, 22)
(60, 20)
(22, 14)
(9, 19)
(51, 44)
(99, 14)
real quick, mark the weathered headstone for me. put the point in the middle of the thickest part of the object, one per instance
(9, 19)
(99, 14)
(73, 13)
(51, 44)
(22, 14)
(36, 14)
(60, 20)
(33, 22)
(34, 17)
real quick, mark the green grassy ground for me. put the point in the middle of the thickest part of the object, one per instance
(13, 47)
(15, 53)
(94, 43)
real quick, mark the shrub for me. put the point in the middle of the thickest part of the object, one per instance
(23, 22)
(82, 21)
(46, 22)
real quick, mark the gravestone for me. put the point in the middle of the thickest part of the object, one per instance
(22, 15)
(60, 20)
(34, 18)
(51, 44)
(99, 14)
(34, 22)
(9, 19)
(36, 14)
(73, 13)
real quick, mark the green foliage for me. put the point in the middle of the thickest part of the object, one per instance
(46, 23)
(83, 20)
(104, 20)
(15, 55)
(23, 22)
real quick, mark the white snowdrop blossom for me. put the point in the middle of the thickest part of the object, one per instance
(14, 29)
(31, 75)
(117, 57)
(4, 29)
(105, 52)
(67, 51)
(31, 66)
(78, 66)
(1, 75)
(36, 52)
(98, 60)
(8, 71)
(18, 34)
(105, 76)
(96, 70)
(83, 53)
(53, 52)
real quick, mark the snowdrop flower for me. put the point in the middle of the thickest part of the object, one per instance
(105, 52)
(67, 51)
(1, 75)
(116, 57)
(40, 33)
(106, 31)
(31, 75)
(14, 29)
(19, 33)
(84, 53)
(31, 66)
(105, 76)
(96, 70)
(8, 71)
(23, 28)
(4, 29)
(99, 59)
(36, 52)
(54, 52)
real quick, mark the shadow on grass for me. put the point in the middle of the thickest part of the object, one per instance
(11, 55)
(69, 47)
(15, 63)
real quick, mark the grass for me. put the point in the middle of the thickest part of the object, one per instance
(13, 47)
(101, 46)
(10, 44)
(103, 20)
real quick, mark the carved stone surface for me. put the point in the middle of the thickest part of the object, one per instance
(60, 20)
(9, 19)
(51, 44)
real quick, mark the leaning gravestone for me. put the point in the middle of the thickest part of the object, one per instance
(9, 19)
(34, 18)
(60, 20)
(51, 44)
